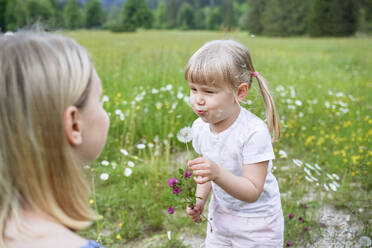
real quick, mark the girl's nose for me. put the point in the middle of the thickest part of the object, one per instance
(200, 99)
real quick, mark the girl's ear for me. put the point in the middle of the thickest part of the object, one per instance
(242, 92)
(72, 126)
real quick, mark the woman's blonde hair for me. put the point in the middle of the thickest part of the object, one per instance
(227, 61)
(40, 76)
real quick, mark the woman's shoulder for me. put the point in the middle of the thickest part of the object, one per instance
(37, 231)
(92, 244)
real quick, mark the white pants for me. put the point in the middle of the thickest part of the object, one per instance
(228, 230)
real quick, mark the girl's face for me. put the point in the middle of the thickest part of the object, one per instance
(95, 123)
(214, 104)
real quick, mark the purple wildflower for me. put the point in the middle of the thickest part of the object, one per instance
(187, 174)
(176, 190)
(305, 229)
(170, 210)
(291, 215)
(288, 243)
(301, 219)
(323, 224)
(172, 182)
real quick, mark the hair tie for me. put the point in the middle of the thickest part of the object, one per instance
(255, 74)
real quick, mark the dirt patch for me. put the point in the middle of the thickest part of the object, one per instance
(341, 230)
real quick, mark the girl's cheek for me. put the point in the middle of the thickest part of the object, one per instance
(192, 99)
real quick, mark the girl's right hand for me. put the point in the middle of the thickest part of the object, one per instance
(196, 211)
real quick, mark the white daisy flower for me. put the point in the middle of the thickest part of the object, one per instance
(180, 95)
(124, 152)
(141, 146)
(335, 176)
(130, 164)
(105, 163)
(297, 162)
(326, 187)
(105, 99)
(104, 176)
(282, 154)
(128, 172)
(333, 187)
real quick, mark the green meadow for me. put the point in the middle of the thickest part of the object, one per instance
(322, 88)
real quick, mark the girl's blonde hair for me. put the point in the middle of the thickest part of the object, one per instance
(227, 61)
(40, 76)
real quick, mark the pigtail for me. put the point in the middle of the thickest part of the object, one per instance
(272, 116)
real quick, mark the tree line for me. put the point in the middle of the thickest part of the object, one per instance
(261, 17)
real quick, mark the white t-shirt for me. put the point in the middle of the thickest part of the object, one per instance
(246, 141)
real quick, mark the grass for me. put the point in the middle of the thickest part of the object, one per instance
(322, 89)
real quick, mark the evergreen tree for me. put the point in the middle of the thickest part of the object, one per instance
(72, 15)
(186, 18)
(228, 19)
(136, 14)
(319, 18)
(129, 16)
(56, 13)
(344, 17)
(161, 16)
(145, 17)
(3, 4)
(114, 20)
(15, 15)
(365, 16)
(213, 18)
(241, 12)
(200, 18)
(94, 15)
(285, 18)
(333, 18)
(254, 18)
(40, 11)
(172, 12)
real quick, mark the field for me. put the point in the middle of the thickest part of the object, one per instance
(322, 89)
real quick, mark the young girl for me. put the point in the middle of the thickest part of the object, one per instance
(235, 150)
(51, 124)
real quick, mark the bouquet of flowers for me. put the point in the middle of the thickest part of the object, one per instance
(183, 185)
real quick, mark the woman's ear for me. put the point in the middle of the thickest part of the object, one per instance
(72, 126)
(242, 92)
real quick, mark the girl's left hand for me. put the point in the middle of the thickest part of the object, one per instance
(204, 169)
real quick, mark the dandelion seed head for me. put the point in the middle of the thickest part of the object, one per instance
(185, 135)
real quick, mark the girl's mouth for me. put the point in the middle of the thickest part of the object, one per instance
(200, 112)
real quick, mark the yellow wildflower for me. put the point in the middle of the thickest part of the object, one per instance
(309, 140)
(355, 159)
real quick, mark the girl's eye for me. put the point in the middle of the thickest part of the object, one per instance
(192, 89)
(210, 92)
